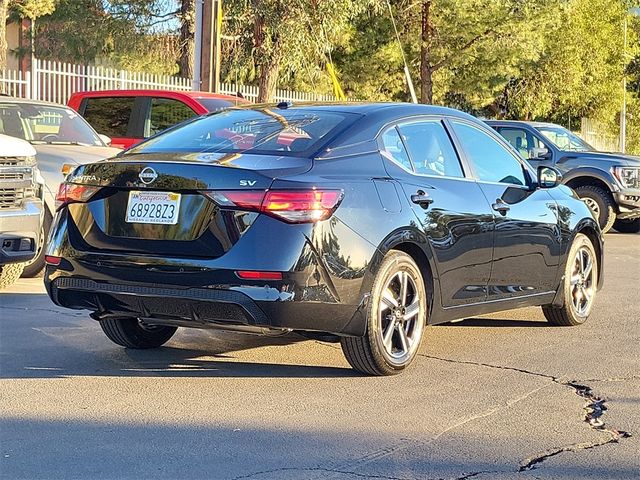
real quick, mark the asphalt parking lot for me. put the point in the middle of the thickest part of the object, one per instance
(498, 397)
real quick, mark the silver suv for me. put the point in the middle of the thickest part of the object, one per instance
(21, 208)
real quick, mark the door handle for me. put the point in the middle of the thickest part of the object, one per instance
(501, 206)
(421, 198)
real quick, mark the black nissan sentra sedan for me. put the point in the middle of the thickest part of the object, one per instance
(358, 223)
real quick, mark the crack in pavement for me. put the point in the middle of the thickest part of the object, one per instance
(594, 409)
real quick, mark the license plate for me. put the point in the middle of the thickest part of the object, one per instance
(153, 207)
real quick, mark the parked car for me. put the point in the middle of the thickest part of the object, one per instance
(130, 116)
(21, 208)
(359, 223)
(609, 183)
(60, 136)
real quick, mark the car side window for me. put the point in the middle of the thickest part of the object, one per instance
(431, 150)
(109, 115)
(166, 112)
(521, 140)
(394, 149)
(489, 159)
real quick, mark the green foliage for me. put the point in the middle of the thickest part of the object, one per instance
(32, 9)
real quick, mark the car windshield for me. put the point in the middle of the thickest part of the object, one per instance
(46, 124)
(564, 139)
(264, 130)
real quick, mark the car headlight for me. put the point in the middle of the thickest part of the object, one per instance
(629, 177)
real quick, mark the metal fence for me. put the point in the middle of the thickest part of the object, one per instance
(599, 136)
(57, 81)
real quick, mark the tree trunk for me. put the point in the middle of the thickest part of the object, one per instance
(426, 69)
(187, 34)
(268, 61)
(269, 79)
(3, 33)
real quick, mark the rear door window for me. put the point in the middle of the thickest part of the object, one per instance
(430, 148)
(166, 112)
(109, 115)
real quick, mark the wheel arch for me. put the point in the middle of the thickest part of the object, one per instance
(592, 232)
(414, 243)
(583, 179)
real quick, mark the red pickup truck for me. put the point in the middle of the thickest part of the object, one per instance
(129, 116)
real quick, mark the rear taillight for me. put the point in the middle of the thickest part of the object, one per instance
(292, 206)
(72, 193)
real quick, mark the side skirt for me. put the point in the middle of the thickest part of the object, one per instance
(465, 311)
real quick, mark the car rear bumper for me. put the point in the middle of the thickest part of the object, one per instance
(20, 232)
(258, 309)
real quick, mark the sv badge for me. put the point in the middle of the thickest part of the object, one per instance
(248, 183)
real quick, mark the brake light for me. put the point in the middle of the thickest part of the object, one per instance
(72, 193)
(292, 206)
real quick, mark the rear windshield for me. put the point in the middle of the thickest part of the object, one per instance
(263, 131)
(215, 104)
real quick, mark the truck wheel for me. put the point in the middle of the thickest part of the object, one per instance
(132, 333)
(35, 267)
(396, 318)
(627, 226)
(600, 203)
(9, 274)
(578, 286)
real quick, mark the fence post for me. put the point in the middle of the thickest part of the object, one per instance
(27, 84)
(123, 80)
(35, 95)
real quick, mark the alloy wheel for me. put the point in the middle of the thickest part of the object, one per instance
(400, 318)
(582, 282)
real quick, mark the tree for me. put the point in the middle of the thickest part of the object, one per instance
(30, 9)
(580, 71)
(3, 34)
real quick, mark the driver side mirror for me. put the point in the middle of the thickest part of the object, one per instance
(106, 140)
(539, 153)
(548, 177)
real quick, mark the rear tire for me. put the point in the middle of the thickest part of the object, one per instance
(600, 203)
(396, 317)
(578, 286)
(9, 274)
(36, 266)
(627, 226)
(131, 333)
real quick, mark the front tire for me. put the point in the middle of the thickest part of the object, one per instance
(396, 318)
(132, 333)
(600, 203)
(579, 285)
(627, 226)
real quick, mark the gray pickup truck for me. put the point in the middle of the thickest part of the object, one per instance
(21, 208)
(609, 183)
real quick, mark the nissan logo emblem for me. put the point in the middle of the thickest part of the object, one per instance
(148, 175)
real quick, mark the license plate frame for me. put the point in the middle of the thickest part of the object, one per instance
(153, 208)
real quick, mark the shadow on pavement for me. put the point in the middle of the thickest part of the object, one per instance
(40, 340)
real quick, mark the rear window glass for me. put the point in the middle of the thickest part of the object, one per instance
(215, 104)
(109, 116)
(166, 112)
(265, 130)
